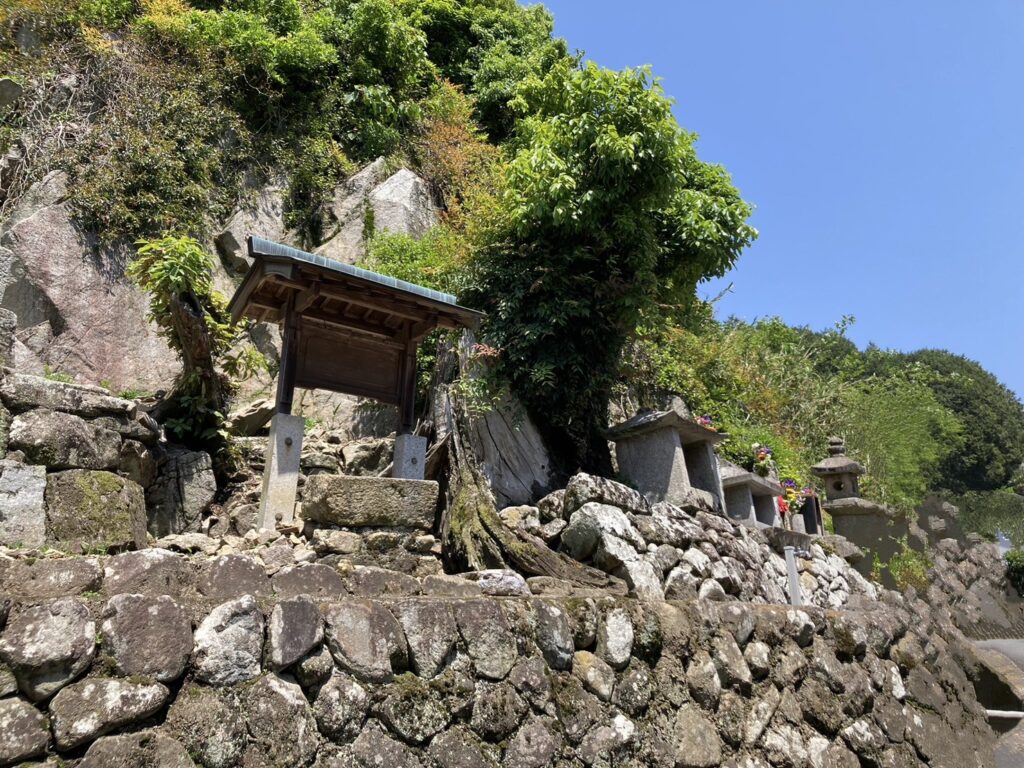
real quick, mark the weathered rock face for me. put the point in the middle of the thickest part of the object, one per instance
(24, 731)
(400, 203)
(184, 487)
(88, 709)
(49, 646)
(89, 510)
(63, 441)
(260, 213)
(147, 636)
(62, 285)
(229, 643)
(433, 680)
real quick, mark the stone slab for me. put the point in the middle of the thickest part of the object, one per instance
(370, 502)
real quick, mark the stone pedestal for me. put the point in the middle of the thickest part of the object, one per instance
(749, 498)
(371, 502)
(281, 472)
(875, 528)
(766, 511)
(410, 457)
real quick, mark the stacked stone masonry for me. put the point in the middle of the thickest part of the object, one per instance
(157, 658)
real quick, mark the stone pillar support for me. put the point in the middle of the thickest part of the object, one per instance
(281, 471)
(410, 457)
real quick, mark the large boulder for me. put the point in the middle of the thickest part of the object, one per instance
(184, 487)
(90, 708)
(282, 730)
(147, 636)
(229, 643)
(128, 750)
(23, 512)
(22, 392)
(63, 441)
(49, 646)
(370, 502)
(403, 205)
(260, 212)
(365, 639)
(210, 723)
(346, 238)
(52, 274)
(89, 510)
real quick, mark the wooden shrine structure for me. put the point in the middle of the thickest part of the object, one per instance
(344, 329)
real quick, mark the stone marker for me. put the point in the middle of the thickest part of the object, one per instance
(749, 498)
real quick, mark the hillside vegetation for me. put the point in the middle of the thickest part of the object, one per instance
(577, 213)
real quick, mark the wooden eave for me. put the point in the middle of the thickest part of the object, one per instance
(340, 296)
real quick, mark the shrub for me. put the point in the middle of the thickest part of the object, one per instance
(1015, 569)
(192, 317)
(909, 568)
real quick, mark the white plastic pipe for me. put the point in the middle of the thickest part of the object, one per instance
(795, 598)
(1004, 714)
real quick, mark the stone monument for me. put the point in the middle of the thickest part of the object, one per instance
(668, 457)
(750, 498)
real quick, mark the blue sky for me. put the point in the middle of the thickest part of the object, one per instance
(881, 143)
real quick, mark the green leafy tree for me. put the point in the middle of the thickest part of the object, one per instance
(901, 432)
(607, 213)
(991, 448)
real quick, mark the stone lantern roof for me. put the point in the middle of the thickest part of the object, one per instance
(837, 463)
(689, 430)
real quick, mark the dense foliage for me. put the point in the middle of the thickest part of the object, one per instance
(192, 316)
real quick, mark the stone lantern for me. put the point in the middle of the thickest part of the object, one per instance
(839, 472)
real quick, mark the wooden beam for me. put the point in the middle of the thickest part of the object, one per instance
(407, 391)
(307, 298)
(385, 304)
(340, 321)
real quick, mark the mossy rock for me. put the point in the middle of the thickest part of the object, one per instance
(94, 511)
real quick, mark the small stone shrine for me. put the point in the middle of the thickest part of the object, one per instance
(668, 457)
(749, 498)
(344, 329)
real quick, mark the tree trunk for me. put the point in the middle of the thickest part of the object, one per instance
(473, 535)
(197, 356)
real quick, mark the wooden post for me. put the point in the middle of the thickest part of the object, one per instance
(407, 393)
(289, 358)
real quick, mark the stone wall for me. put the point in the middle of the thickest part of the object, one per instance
(82, 470)
(684, 552)
(153, 658)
